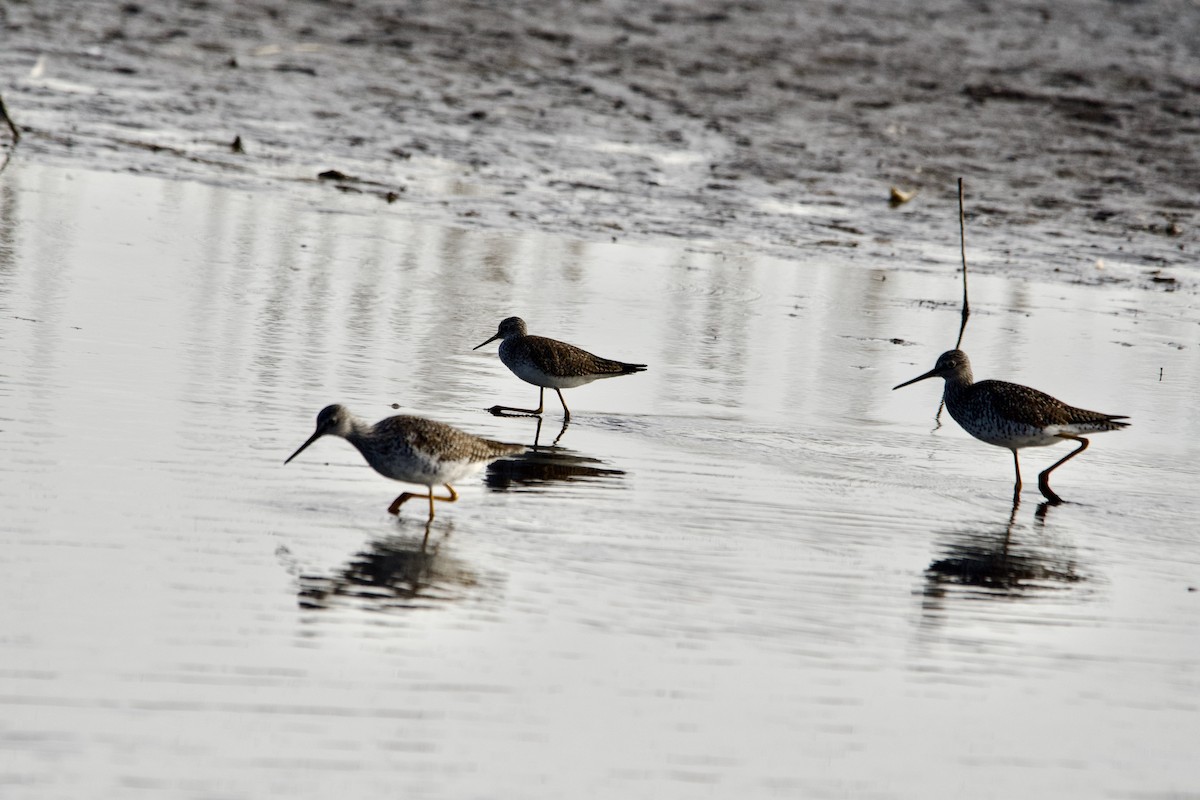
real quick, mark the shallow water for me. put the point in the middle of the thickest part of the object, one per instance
(753, 570)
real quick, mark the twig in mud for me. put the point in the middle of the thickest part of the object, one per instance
(966, 306)
(962, 243)
(16, 134)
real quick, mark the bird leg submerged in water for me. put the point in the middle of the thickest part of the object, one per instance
(1017, 485)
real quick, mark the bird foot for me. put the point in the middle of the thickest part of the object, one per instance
(1051, 497)
(394, 508)
(505, 411)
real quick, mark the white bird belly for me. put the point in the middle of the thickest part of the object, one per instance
(531, 374)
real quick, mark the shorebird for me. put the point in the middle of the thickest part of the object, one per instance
(550, 364)
(412, 450)
(1014, 416)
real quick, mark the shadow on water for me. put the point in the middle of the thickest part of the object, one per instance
(400, 572)
(994, 563)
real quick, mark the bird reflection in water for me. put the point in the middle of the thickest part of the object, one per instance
(396, 573)
(537, 434)
(547, 464)
(990, 565)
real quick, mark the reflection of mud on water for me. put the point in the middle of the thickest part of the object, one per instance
(393, 574)
(775, 125)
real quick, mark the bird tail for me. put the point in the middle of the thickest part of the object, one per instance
(626, 369)
(1104, 422)
(504, 448)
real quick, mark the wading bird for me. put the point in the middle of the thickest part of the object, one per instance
(1014, 416)
(412, 450)
(550, 364)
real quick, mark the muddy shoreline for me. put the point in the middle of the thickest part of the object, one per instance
(763, 127)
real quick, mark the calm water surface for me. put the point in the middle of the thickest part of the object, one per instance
(752, 571)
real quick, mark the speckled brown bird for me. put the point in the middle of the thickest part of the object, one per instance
(412, 450)
(550, 364)
(1014, 416)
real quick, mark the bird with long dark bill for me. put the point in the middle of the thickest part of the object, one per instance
(412, 450)
(1015, 416)
(550, 364)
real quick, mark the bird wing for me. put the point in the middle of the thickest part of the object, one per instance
(441, 441)
(559, 358)
(1016, 402)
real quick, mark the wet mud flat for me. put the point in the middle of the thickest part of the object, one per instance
(776, 126)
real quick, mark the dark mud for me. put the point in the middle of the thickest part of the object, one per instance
(773, 127)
